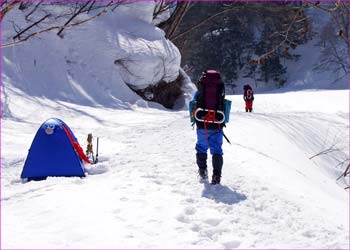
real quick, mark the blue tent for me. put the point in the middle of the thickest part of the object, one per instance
(52, 153)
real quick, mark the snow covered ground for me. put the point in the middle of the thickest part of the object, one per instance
(144, 193)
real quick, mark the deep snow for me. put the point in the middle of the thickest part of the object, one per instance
(144, 193)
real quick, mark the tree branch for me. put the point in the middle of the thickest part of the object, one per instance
(169, 26)
(284, 34)
(9, 7)
(346, 172)
(200, 23)
(31, 26)
(73, 16)
(58, 27)
(326, 151)
(33, 10)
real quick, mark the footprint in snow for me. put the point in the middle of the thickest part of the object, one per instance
(213, 222)
(308, 234)
(231, 244)
(124, 199)
(183, 218)
(196, 228)
(96, 169)
(158, 182)
(190, 210)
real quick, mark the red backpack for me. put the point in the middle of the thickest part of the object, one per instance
(211, 91)
(248, 92)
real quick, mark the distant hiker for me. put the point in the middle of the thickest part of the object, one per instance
(207, 112)
(248, 97)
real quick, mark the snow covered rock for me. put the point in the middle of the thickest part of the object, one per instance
(95, 63)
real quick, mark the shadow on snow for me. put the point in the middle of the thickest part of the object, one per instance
(222, 194)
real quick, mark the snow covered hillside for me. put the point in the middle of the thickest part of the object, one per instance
(144, 193)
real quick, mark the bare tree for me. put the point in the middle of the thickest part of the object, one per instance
(42, 17)
(334, 40)
(228, 8)
(346, 172)
(331, 149)
(170, 26)
(339, 12)
(334, 56)
(341, 163)
(291, 33)
(163, 8)
(7, 6)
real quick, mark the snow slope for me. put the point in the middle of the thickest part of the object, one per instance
(144, 193)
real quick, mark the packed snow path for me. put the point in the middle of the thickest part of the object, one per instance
(144, 192)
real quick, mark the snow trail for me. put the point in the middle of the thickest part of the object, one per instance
(144, 193)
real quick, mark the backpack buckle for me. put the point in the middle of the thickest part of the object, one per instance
(203, 119)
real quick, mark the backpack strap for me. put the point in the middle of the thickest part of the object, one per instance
(204, 90)
(209, 117)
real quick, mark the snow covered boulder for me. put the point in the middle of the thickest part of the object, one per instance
(102, 62)
(147, 62)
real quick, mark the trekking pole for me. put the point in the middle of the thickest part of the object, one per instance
(96, 158)
(227, 139)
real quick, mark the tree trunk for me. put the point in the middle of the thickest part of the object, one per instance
(169, 26)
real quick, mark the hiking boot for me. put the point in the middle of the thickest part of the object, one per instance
(202, 165)
(215, 180)
(217, 167)
(203, 174)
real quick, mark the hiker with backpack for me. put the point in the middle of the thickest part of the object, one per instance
(248, 97)
(207, 112)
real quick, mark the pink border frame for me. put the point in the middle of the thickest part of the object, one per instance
(159, 248)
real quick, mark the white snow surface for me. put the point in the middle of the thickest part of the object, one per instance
(144, 192)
